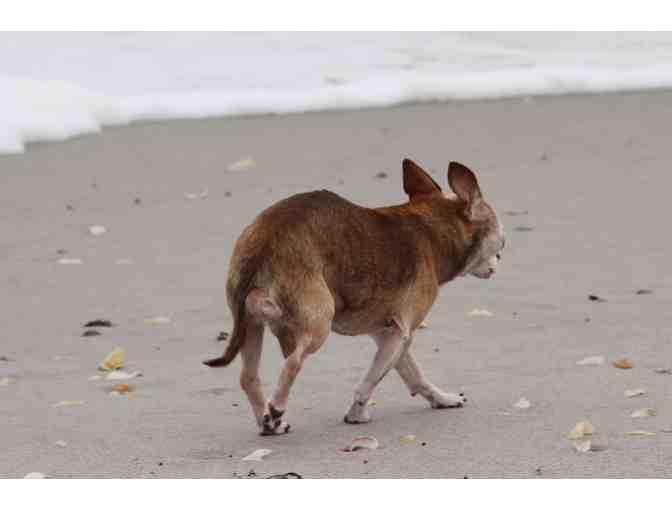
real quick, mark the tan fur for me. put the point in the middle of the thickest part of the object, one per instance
(315, 263)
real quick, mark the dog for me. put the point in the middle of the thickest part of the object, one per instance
(315, 263)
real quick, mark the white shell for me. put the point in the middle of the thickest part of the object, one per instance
(120, 375)
(362, 443)
(69, 262)
(635, 392)
(591, 360)
(35, 475)
(480, 312)
(97, 230)
(522, 403)
(258, 455)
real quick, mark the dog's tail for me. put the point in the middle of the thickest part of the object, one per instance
(238, 296)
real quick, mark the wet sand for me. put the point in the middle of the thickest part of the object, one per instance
(581, 184)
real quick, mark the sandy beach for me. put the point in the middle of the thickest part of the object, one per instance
(581, 184)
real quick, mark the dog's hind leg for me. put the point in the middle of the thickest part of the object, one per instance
(416, 382)
(392, 344)
(250, 353)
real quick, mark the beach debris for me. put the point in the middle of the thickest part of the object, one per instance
(91, 332)
(258, 455)
(645, 412)
(596, 298)
(623, 363)
(242, 165)
(70, 261)
(61, 444)
(95, 378)
(196, 195)
(35, 475)
(591, 360)
(381, 175)
(580, 430)
(640, 433)
(582, 445)
(480, 312)
(523, 228)
(516, 213)
(97, 230)
(99, 323)
(6, 381)
(69, 403)
(637, 392)
(113, 360)
(522, 403)
(362, 443)
(123, 262)
(120, 375)
(287, 476)
(122, 388)
(223, 336)
(644, 292)
(664, 371)
(408, 438)
(158, 320)
(4, 358)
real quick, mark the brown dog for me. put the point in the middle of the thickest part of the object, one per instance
(315, 263)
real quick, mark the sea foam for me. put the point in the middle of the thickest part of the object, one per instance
(57, 85)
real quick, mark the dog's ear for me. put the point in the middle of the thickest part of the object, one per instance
(463, 182)
(417, 181)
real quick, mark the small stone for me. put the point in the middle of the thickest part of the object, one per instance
(597, 299)
(381, 175)
(137, 201)
(222, 336)
(91, 332)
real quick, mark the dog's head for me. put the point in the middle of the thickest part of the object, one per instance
(479, 217)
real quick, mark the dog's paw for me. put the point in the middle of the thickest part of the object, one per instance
(441, 400)
(358, 413)
(272, 423)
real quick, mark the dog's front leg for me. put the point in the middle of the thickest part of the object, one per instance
(391, 346)
(415, 380)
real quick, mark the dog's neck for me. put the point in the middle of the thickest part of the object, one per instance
(452, 237)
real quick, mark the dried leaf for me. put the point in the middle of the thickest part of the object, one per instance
(591, 360)
(640, 433)
(6, 381)
(242, 164)
(635, 392)
(582, 445)
(67, 403)
(113, 360)
(645, 412)
(35, 475)
(362, 443)
(69, 261)
(480, 312)
(623, 363)
(120, 375)
(407, 438)
(258, 455)
(580, 430)
(97, 230)
(123, 388)
(158, 320)
(522, 403)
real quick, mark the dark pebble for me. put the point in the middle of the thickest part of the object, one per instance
(642, 292)
(227, 193)
(99, 323)
(160, 463)
(381, 175)
(4, 358)
(91, 332)
(69, 207)
(598, 299)
(222, 336)
(137, 201)
(287, 476)
(366, 461)
(251, 474)
(423, 443)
